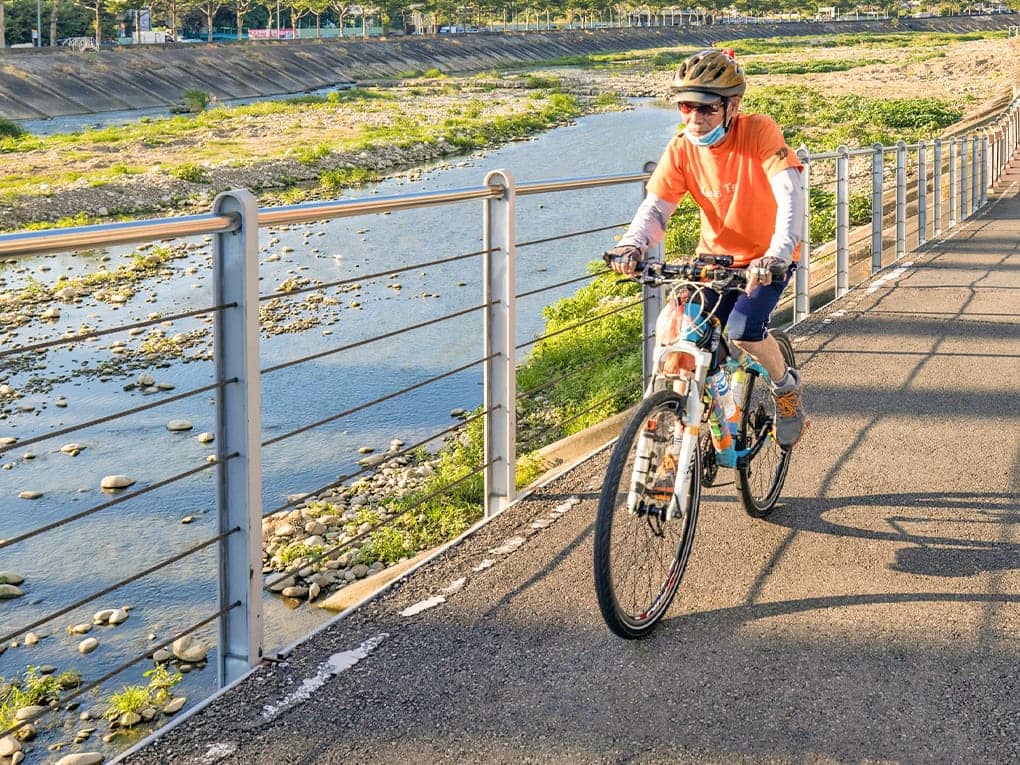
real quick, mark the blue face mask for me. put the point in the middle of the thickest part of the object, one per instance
(711, 138)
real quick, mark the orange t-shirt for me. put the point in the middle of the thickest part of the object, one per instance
(730, 183)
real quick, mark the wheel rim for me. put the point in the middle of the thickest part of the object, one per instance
(647, 552)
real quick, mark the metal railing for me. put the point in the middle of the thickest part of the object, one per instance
(917, 192)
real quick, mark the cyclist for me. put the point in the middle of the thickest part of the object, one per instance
(746, 181)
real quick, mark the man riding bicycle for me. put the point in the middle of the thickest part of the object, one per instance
(746, 181)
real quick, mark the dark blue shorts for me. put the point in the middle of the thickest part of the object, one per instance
(747, 316)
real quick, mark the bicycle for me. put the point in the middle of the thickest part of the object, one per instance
(648, 507)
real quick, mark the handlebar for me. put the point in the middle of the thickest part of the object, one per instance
(715, 269)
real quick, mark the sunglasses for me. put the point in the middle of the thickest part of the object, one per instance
(703, 109)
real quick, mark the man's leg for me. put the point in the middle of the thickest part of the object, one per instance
(748, 328)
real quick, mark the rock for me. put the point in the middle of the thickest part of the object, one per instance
(360, 571)
(26, 732)
(113, 482)
(31, 638)
(31, 712)
(273, 585)
(8, 591)
(179, 425)
(81, 758)
(205, 438)
(187, 519)
(365, 450)
(81, 629)
(295, 591)
(175, 705)
(88, 645)
(7, 440)
(17, 758)
(102, 617)
(9, 577)
(457, 413)
(30, 494)
(118, 616)
(8, 746)
(162, 656)
(72, 449)
(189, 649)
(145, 380)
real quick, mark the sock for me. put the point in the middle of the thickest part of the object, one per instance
(786, 381)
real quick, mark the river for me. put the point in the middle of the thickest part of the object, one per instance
(84, 556)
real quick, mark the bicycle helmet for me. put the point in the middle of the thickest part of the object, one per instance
(705, 76)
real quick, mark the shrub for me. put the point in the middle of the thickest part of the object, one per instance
(345, 178)
(10, 129)
(189, 172)
(196, 100)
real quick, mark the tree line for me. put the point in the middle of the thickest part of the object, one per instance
(62, 19)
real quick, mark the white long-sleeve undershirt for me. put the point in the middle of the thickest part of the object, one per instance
(648, 227)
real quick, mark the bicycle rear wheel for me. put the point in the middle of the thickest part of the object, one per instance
(760, 478)
(640, 554)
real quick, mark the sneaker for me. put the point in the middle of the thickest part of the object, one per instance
(790, 414)
(665, 478)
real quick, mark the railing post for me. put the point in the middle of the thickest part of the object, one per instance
(901, 199)
(499, 331)
(238, 437)
(877, 170)
(936, 167)
(964, 212)
(802, 278)
(842, 220)
(954, 182)
(984, 167)
(922, 193)
(975, 174)
(650, 306)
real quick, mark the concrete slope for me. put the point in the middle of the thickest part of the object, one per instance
(56, 81)
(874, 617)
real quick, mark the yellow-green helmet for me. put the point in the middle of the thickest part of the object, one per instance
(707, 75)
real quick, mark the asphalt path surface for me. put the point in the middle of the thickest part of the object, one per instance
(873, 617)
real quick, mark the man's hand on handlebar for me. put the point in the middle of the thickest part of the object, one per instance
(764, 271)
(624, 259)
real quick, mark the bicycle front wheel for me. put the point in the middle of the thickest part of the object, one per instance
(760, 478)
(640, 553)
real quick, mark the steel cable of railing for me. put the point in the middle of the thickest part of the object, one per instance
(116, 501)
(117, 585)
(579, 324)
(560, 237)
(534, 437)
(20, 443)
(393, 455)
(131, 662)
(575, 280)
(574, 371)
(81, 337)
(330, 553)
(387, 397)
(377, 275)
(377, 338)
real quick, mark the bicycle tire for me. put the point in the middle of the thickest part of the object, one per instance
(640, 558)
(760, 479)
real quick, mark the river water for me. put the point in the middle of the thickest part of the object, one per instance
(83, 557)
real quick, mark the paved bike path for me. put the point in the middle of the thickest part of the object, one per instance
(874, 617)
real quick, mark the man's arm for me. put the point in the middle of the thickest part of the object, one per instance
(786, 237)
(646, 230)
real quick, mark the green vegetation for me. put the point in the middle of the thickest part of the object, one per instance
(189, 172)
(345, 178)
(789, 45)
(806, 67)
(133, 699)
(10, 129)
(195, 100)
(823, 214)
(33, 689)
(824, 122)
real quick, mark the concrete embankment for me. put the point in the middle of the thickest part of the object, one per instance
(51, 82)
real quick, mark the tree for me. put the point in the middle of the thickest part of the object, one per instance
(208, 9)
(241, 8)
(341, 8)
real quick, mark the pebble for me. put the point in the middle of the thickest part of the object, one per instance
(9, 745)
(31, 712)
(8, 591)
(9, 577)
(205, 438)
(30, 494)
(188, 649)
(81, 758)
(116, 482)
(179, 425)
(72, 449)
(88, 645)
(81, 629)
(175, 705)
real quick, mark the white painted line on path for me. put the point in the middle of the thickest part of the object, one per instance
(337, 663)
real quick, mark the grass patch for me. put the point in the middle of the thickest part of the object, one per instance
(33, 688)
(189, 172)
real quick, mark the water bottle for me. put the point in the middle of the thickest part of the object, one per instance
(737, 381)
(722, 436)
